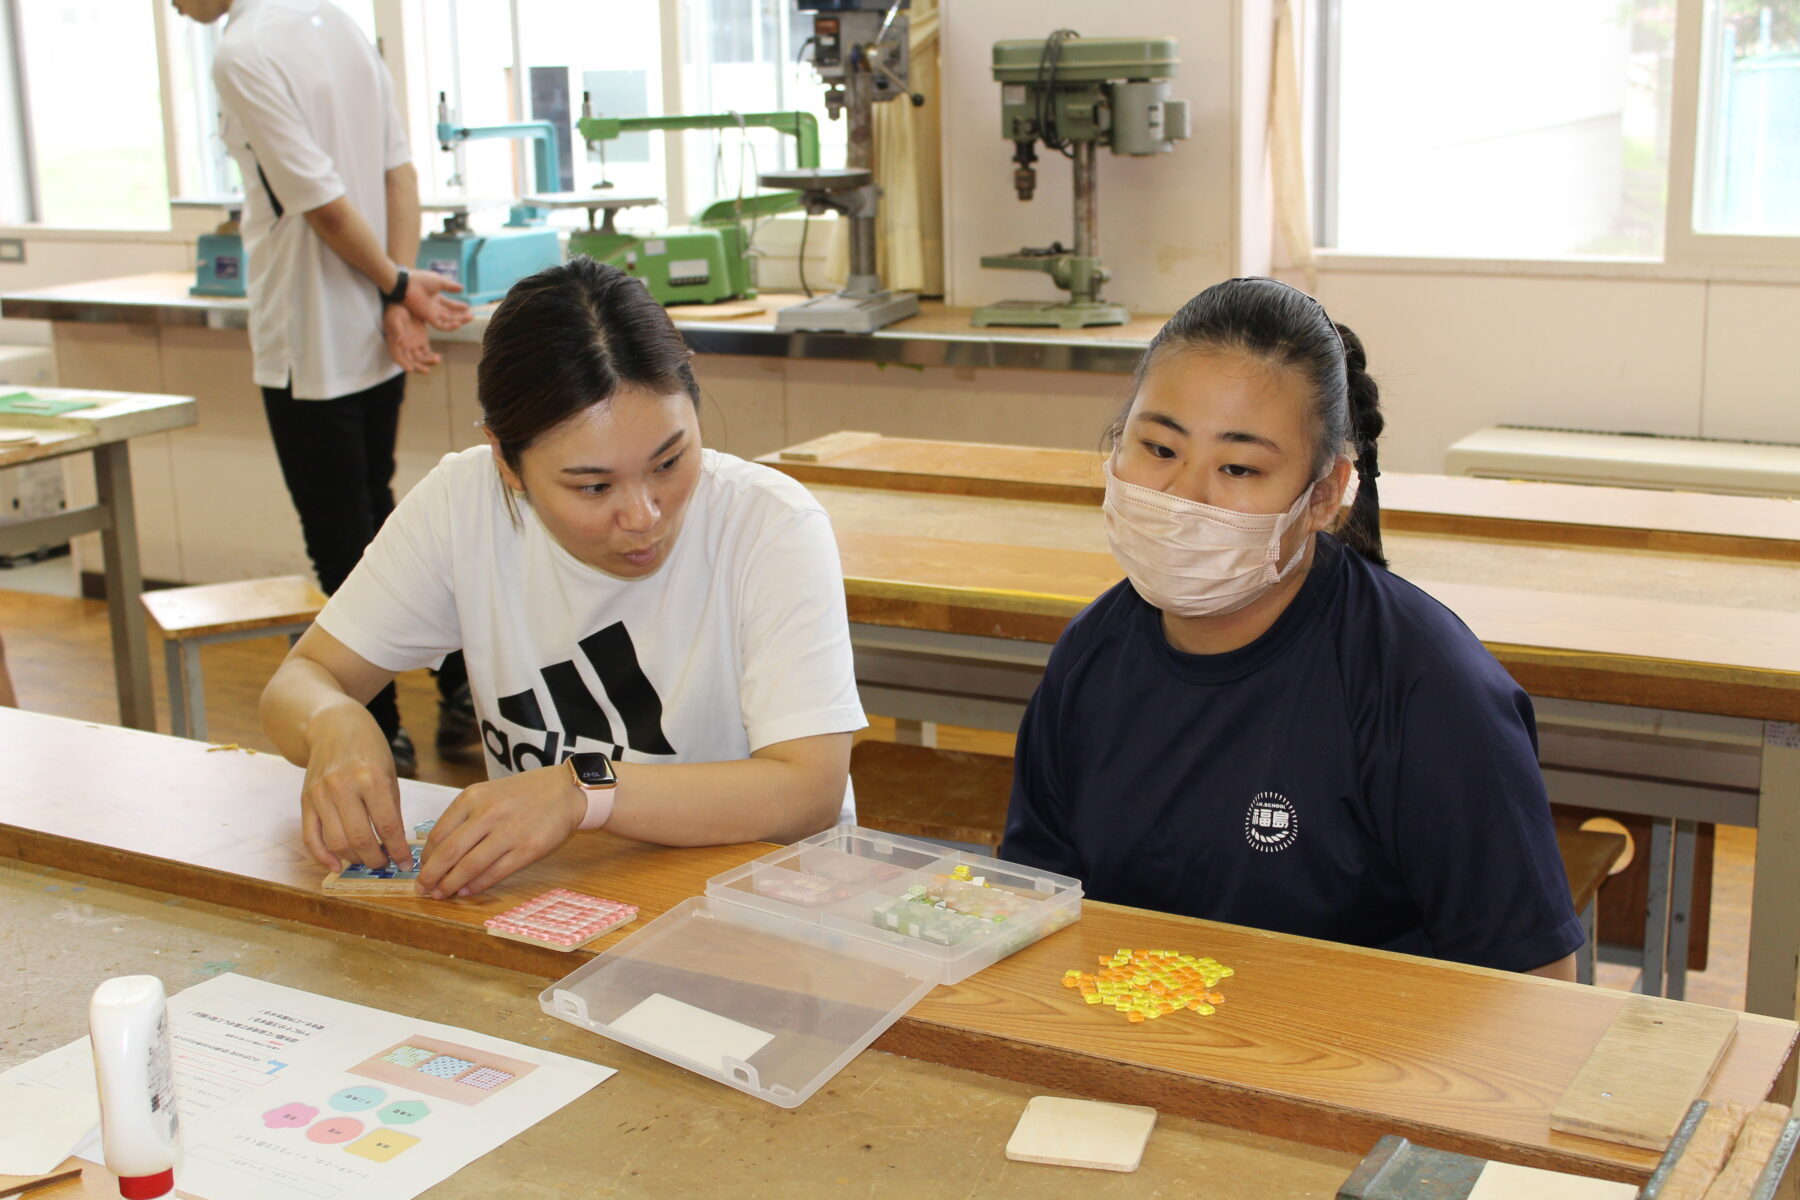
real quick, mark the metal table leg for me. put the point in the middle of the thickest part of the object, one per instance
(1589, 954)
(1775, 905)
(124, 583)
(1681, 908)
(1656, 917)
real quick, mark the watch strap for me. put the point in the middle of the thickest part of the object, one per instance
(398, 294)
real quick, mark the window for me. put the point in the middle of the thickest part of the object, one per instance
(1474, 131)
(93, 113)
(746, 56)
(1748, 171)
(610, 49)
(734, 56)
(1545, 129)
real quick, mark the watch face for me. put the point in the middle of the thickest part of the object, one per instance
(593, 770)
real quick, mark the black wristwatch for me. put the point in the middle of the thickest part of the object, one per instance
(398, 295)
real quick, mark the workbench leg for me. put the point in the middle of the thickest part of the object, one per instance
(915, 733)
(1589, 954)
(1656, 915)
(1681, 908)
(177, 693)
(193, 691)
(1775, 903)
(124, 584)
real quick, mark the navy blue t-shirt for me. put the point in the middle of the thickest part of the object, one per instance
(1363, 772)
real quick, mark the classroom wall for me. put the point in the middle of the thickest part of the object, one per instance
(1455, 353)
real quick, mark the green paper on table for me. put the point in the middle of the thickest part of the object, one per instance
(26, 404)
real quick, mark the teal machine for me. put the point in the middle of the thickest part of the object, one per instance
(1074, 95)
(487, 264)
(701, 263)
(220, 268)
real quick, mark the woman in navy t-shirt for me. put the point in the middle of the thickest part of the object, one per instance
(1261, 724)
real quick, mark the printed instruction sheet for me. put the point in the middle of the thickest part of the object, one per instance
(287, 1095)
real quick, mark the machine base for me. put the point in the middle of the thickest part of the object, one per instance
(694, 265)
(488, 264)
(219, 268)
(844, 313)
(1049, 314)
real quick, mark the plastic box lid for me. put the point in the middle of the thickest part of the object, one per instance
(793, 963)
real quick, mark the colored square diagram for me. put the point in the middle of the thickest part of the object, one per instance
(382, 1145)
(486, 1078)
(446, 1066)
(408, 1056)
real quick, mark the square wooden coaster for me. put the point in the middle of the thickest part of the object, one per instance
(1082, 1133)
(560, 919)
(394, 879)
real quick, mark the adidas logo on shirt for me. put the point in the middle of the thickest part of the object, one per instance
(578, 713)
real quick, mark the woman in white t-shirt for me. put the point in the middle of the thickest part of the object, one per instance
(624, 599)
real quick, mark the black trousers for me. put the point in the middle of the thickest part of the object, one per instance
(337, 457)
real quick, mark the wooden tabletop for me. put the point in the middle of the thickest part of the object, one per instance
(115, 417)
(939, 335)
(1517, 510)
(632, 1137)
(1619, 626)
(1323, 1043)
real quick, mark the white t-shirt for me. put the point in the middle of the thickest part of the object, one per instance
(738, 641)
(305, 97)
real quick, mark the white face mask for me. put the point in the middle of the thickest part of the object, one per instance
(1191, 559)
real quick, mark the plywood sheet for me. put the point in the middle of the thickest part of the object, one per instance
(1651, 1064)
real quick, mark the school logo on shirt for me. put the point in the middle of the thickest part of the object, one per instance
(1270, 823)
(579, 712)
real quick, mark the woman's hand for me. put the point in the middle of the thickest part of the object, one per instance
(495, 828)
(350, 801)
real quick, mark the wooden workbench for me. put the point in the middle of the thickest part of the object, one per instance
(1322, 1043)
(105, 430)
(886, 1126)
(1554, 513)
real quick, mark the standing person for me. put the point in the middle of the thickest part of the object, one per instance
(656, 632)
(1261, 724)
(336, 317)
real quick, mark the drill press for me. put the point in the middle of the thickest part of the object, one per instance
(860, 50)
(1075, 95)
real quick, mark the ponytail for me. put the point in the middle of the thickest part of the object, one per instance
(1361, 530)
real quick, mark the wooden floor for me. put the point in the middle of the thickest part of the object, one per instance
(60, 657)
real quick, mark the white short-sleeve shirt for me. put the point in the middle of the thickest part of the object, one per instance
(739, 640)
(309, 115)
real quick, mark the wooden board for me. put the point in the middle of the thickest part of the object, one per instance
(13, 1185)
(1511, 510)
(1082, 1133)
(354, 879)
(1650, 1065)
(831, 446)
(1329, 1044)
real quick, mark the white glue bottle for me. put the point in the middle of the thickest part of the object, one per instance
(128, 1024)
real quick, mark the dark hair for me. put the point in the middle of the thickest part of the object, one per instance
(1268, 320)
(567, 338)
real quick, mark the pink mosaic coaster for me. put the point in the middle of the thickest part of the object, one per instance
(560, 919)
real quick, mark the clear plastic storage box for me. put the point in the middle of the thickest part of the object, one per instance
(790, 965)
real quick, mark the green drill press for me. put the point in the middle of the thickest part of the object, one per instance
(1075, 95)
(701, 263)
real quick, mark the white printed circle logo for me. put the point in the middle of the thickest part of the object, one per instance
(1271, 824)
